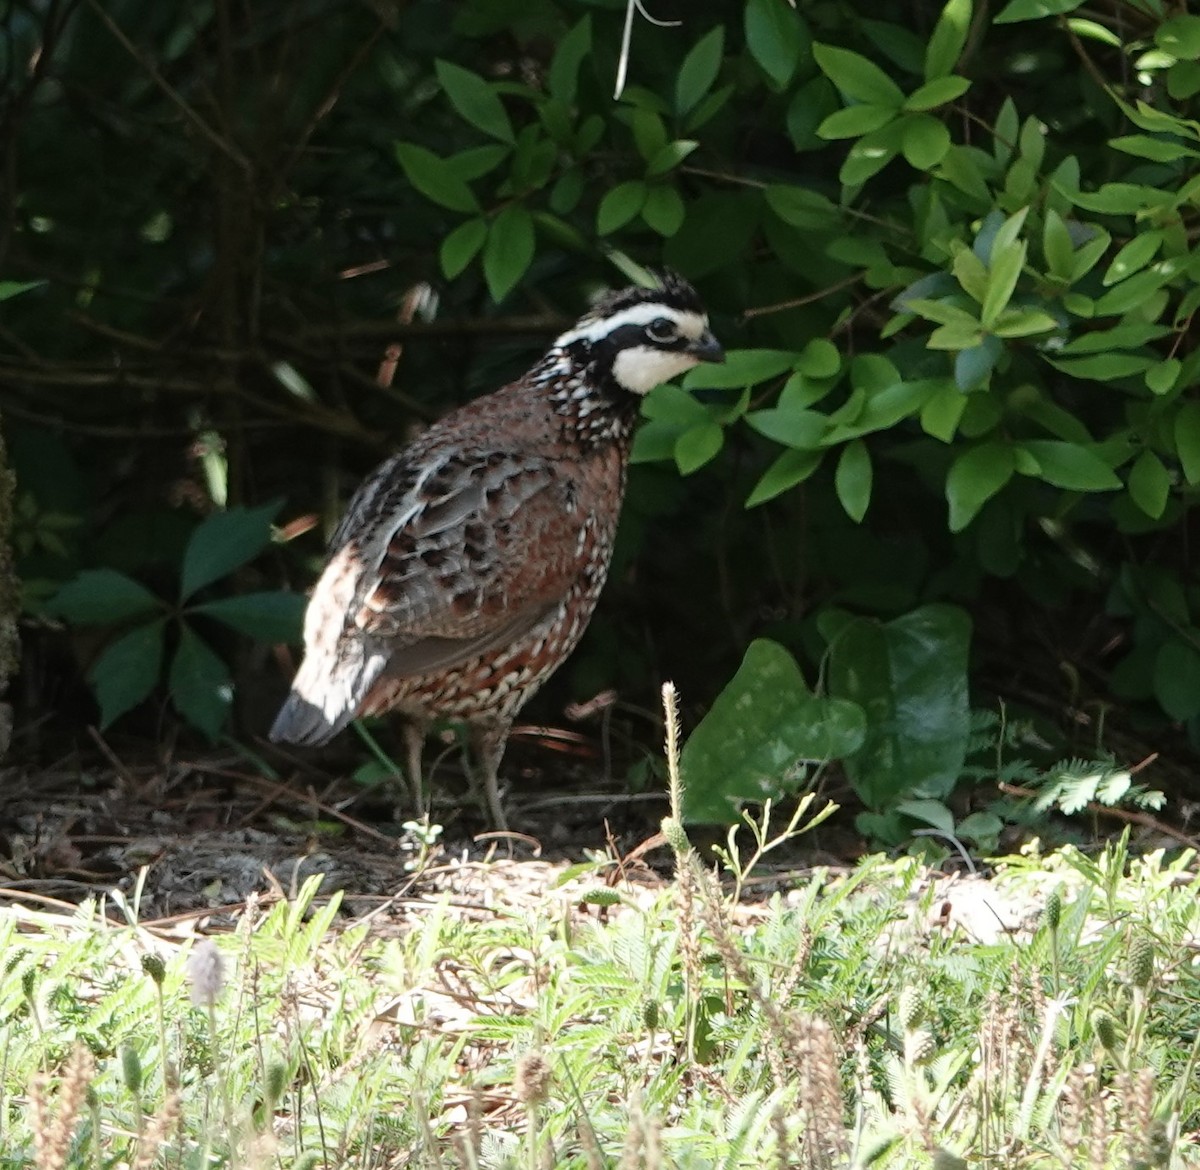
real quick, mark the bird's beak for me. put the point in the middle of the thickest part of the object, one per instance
(707, 348)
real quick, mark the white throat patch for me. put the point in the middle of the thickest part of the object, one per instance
(643, 367)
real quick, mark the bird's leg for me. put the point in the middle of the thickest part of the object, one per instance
(488, 741)
(414, 743)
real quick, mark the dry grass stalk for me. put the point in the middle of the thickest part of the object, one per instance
(590, 1147)
(1097, 1126)
(52, 1136)
(158, 1131)
(1072, 1113)
(818, 1064)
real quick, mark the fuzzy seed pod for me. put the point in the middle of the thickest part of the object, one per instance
(277, 1075)
(600, 896)
(532, 1078)
(1141, 960)
(1105, 1028)
(153, 966)
(911, 1009)
(1052, 914)
(131, 1069)
(650, 1013)
(919, 1047)
(675, 835)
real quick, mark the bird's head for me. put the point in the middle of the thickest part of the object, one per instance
(643, 337)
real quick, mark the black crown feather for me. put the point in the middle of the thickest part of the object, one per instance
(672, 290)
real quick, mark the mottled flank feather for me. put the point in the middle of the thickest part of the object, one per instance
(467, 565)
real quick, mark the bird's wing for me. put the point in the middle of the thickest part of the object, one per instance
(444, 562)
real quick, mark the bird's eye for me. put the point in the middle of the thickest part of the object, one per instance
(661, 329)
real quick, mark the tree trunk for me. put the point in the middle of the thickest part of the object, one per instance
(10, 600)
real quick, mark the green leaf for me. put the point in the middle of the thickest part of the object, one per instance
(1156, 149)
(200, 686)
(127, 670)
(434, 179)
(948, 39)
(267, 616)
(852, 480)
(475, 100)
(102, 597)
(760, 727)
(974, 478)
(673, 404)
(224, 542)
(663, 210)
(936, 93)
(1070, 466)
(699, 70)
(1149, 484)
(1104, 367)
(943, 411)
(925, 141)
(799, 428)
(870, 154)
(1057, 246)
(14, 288)
(1134, 256)
(670, 156)
(801, 207)
(854, 121)
(461, 246)
(649, 132)
(1187, 440)
(1023, 323)
(1162, 376)
(858, 78)
(973, 366)
(790, 469)
(620, 205)
(1034, 10)
(1180, 36)
(742, 367)
(1177, 678)
(697, 446)
(1003, 273)
(819, 359)
(572, 51)
(778, 39)
(508, 251)
(910, 677)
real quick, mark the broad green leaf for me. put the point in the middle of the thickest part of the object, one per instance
(974, 478)
(697, 446)
(649, 133)
(941, 414)
(910, 678)
(224, 542)
(1003, 273)
(1104, 367)
(1180, 36)
(267, 616)
(572, 51)
(102, 597)
(819, 359)
(973, 366)
(948, 38)
(852, 480)
(929, 812)
(1156, 149)
(971, 273)
(762, 725)
(801, 207)
(1134, 256)
(620, 205)
(924, 141)
(1023, 323)
(854, 121)
(1137, 290)
(14, 288)
(790, 469)
(1149, 484)
(200, 686)
(1069, 466)
(802, 429)
(1162, 376)
(1177, 677)
(461, 246)
(936, 92)
(1057, 247)
(434, 179)
(778, 39)
(699, 70)
(127, 670)
(673, 404)
(870, 154)
(670, 156)
(1124, 336)
(858, 78)
(664, 210)
(508, 251)
(475, 100)
(1187, 440)
(473, 164)
(1018, 10)
(742, 367)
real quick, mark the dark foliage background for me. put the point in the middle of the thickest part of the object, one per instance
(246, 248)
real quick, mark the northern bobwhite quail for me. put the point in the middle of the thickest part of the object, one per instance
(468, 564)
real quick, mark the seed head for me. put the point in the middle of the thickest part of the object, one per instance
(1141, 960)
(532, 1078)
(1105, 1028)
(1052, 914)
(206, 973)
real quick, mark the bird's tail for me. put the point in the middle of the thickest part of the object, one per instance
(324, 699)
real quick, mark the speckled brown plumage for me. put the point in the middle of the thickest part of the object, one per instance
(467, 565)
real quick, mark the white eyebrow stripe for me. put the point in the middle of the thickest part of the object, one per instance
(690, 324)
